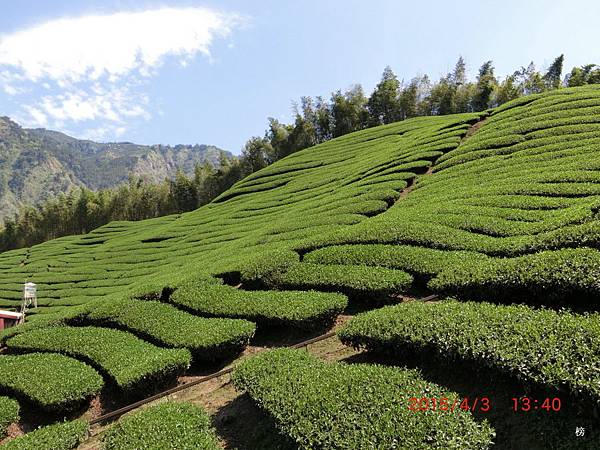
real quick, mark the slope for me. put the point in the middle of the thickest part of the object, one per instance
(507, 213)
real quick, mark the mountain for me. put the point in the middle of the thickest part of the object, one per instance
(36, 164)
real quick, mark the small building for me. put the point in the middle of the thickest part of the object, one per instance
(9, 319)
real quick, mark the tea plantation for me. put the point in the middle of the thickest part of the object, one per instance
(496, 212)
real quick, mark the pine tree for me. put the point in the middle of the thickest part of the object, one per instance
(553, 76)
(384, 104)
(484, 88)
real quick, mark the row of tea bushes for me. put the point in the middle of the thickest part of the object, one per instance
(61, 436)
(208, 339)
(559, 350)
(336, 405)
(570, 275)
(356, 281)
(296, 309)
(51, 382)
(133, 365)
(422, 262)
(168, 425)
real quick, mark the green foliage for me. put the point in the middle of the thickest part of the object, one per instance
(168, 425)
(420, 261)
(355, 281)
(48, 381)
(335, 405)
(266, 268)
(484, 88)
(569, 275)
(61, 436)
(266, 308)
(580, 76)
(9, 413)
(207, 339)
(384, 105)
(553, 349)
(132, 364)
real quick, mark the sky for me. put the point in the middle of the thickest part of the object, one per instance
(208, 72)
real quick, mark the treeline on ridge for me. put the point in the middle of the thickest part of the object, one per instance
(316, 120)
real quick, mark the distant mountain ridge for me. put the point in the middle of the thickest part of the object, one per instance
(36, 164)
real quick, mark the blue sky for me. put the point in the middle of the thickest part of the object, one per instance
(212, 72)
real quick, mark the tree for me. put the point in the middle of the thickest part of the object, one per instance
(587, 74)
(531, 80)
(486, 83)
(441, 98)
(384, 104)
(348, 111)
(553, 76)
(507, 90)
(255, 154)
(409, 98)
(183, 193)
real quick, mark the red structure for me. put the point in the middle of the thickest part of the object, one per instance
(9, 319)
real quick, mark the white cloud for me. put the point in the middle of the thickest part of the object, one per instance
(90, 70)
(114, 44)
(39, 118)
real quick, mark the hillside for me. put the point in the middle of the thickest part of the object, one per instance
(495, 213)
(38, 163)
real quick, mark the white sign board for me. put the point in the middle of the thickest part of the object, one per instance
(29, 290)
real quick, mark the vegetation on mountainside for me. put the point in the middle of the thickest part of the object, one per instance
(165, 426)
(335, 405)
(557, 350)
(503, 205)
(316, 121)
(53, 383)
(60, 436)
(38, 164)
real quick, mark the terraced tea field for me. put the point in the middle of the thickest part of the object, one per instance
(496, 213)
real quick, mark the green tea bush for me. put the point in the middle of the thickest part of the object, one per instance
(265, 268)
(420, 261)
(354, 280)
(335, 405)
(52, 382)
(557, 350)
(571, 275)
(164, 426)
(296, 309)
(9, 413)
(61, 436)
(208, 339)
(135, 366)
